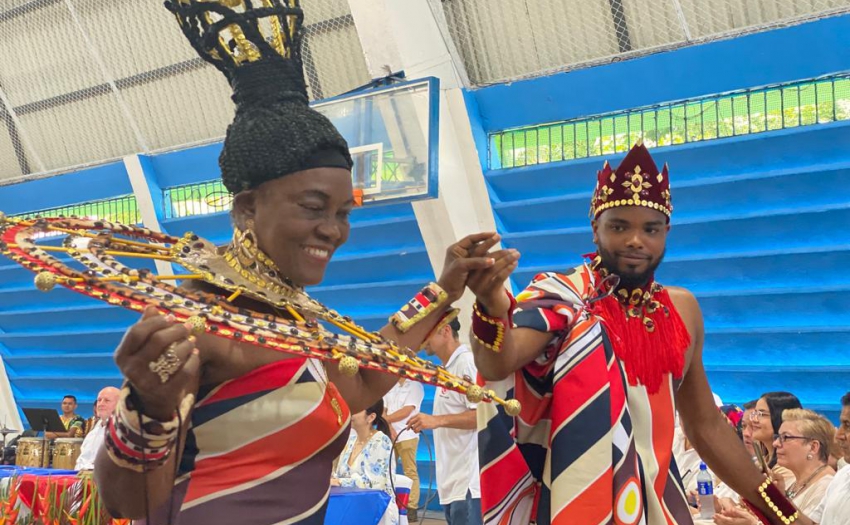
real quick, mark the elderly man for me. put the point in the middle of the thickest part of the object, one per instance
(107, 399)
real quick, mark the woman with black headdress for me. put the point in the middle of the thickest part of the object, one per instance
(212, 430)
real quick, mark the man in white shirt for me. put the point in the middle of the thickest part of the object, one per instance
(401, 403)
(455, 434)
(107, 399)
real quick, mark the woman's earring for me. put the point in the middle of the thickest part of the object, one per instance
(809, 457)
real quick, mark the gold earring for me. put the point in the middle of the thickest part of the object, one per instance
(246, 244)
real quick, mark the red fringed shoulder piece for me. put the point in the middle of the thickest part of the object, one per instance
(647, 355)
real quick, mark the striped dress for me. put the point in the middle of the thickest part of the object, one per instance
(588, 448)
(260, 450)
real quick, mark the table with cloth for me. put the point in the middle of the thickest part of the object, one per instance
(345, 506)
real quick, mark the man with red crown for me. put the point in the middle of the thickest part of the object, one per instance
(601, 356)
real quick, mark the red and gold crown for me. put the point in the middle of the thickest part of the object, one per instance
(636, 182)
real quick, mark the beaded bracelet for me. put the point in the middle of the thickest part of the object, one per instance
(427, 300)
(777, 502)
(137, 442)
(489, 330)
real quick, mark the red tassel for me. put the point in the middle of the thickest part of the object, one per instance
(647, 356)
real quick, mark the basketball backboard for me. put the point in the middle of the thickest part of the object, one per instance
(392, 133)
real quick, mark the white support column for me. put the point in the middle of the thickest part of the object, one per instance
(406, 36)
(11, 417)
(148, 198)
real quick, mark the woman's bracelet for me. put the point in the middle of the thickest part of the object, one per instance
(138, 442)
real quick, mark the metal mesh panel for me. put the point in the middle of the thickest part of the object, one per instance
(92, 80)
(512, 39)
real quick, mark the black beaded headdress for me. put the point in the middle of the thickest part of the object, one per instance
(257, 45)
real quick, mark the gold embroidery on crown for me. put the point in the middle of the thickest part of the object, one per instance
(636, 185)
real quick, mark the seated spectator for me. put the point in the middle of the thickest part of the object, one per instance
(766, 420)
(802, 446)
(842, 434)
(689, 461)
(834, 506)
(107, 400)
(367, 458)
(747, 428)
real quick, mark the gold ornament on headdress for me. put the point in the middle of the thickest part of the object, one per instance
(243, 269)
(241, 39)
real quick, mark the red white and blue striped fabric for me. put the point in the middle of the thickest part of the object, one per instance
(260, 449)
(587, 448)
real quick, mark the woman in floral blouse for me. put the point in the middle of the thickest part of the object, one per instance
(366, 461)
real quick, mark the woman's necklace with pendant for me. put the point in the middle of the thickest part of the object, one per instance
(793, 491)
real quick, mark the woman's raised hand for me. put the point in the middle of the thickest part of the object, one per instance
(159, 358)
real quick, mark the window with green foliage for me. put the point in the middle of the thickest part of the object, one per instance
(201, 198)
(204, 198)
(712, 117)
(122, 209)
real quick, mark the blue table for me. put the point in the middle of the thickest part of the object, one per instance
(7, 471)
(347, 506)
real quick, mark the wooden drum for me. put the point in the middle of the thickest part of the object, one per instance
(32, 452)
(65, 452)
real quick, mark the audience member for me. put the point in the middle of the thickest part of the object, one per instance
(455, 437)
(74, 424)
(402, 403)
(107, 399)
(747, 427)
(842, 434)
(367, 458)
(834, 508)
(766, 420)
(802, 446)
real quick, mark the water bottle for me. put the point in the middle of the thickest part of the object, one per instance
(705, 486)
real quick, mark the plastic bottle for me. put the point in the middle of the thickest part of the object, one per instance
(705, 486)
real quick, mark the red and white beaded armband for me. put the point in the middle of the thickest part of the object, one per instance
(427, 300)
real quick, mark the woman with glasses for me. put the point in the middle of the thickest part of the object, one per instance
(766, 420)
(802, 446)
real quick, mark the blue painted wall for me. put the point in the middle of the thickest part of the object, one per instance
(759, 227)
(91, 184)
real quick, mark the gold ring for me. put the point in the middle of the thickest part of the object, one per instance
(167, 364)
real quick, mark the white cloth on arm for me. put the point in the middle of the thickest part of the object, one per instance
(90, 446)
(410, 393)
(834, 508)
(456, 449)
